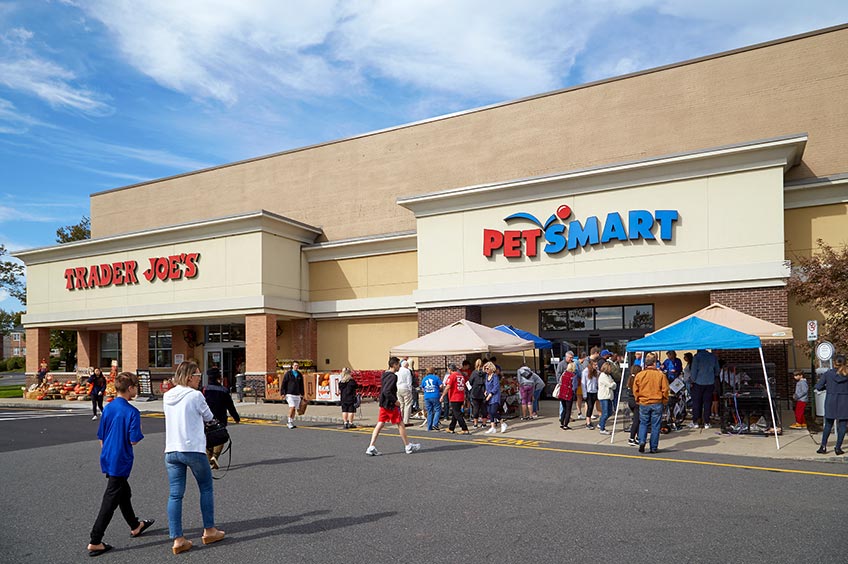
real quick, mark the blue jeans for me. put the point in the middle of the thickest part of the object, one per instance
(434, 412)
(176, 464)
(650, 415)
(536, 395)
(606, 410)
(841, 425)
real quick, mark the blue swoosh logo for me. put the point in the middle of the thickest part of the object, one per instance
(524, 215)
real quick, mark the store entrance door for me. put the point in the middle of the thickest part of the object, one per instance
(228, 360)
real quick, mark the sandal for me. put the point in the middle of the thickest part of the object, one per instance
(183, 547)
(106, 548)
(144, 526)
(209, 539)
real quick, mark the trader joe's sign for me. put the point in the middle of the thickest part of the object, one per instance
(124, 273)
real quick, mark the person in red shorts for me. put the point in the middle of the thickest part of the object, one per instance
(390, 411)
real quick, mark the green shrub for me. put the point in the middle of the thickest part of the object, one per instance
(54, 363)
(3, 365)
(16, 363)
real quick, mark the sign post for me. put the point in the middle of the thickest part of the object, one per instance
(145, 386)
(812, 336)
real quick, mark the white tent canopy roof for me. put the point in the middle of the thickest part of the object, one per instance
(463, 337)
(729, 317)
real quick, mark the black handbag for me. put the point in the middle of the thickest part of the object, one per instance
(216, 433)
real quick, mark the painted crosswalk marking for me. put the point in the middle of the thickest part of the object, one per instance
(20, 415)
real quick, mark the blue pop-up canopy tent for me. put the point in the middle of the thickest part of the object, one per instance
(538, 341)
(696, 333)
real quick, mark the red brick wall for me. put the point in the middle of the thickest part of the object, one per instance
(135, 346)
(304, 339)
(430, 320)
(770, 304)
(88, 343)
(38, 347)
(261, 335)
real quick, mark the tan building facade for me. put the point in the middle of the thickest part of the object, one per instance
(591, 215)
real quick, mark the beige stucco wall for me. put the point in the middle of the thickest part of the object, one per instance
(364, 277)
(362, 344)
(715, 231)
(803, 227)
(791, 87)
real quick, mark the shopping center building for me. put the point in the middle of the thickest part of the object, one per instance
(591, 215)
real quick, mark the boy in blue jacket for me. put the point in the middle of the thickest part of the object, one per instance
(120, 429)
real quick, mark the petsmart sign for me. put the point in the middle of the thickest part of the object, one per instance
(557, 235)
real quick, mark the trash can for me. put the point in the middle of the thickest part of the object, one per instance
(820, 397)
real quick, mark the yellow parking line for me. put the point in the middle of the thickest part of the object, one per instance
(510, 442)
(519, 443)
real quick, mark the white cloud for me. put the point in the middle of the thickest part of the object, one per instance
(13, 121)
(23, 70)
(16, 214)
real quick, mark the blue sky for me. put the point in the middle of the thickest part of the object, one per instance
(98, 94)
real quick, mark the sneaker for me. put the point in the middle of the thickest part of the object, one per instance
(641, 448)
(372, 451)
(632, 442)
(346, 425)
(654, 451)
(590, 426)
(605, 432)
(706, 425)
(412, 447)
(489, 431)
(352, 425)
(595, 417)
(94, 418)
(692, 425)
(291, 425)
(503, 427)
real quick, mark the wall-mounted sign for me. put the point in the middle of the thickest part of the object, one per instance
(174, 267)
(555, 235)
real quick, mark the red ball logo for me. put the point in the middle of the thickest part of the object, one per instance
(563, 212)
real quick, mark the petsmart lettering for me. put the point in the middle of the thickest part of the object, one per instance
(556, 236)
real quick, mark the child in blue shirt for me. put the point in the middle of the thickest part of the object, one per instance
(120, 429)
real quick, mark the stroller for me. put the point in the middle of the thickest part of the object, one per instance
(675, 413)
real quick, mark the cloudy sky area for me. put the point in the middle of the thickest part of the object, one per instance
(98, 94)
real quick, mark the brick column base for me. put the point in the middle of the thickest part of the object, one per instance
(305, 339)
(261, 337)
(87, 350)
(432, 319)
(769, 304)
(38, 348)
(135, 350)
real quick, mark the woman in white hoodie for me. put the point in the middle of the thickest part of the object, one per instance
(185, 448)
(606, 390)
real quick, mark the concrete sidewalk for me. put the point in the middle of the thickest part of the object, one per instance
(794, 444)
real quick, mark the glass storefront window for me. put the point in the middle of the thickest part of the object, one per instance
(581, 319)
(225, 333)
(639, 317)
(110, 348)
(554, 319)
(608, 318)
(159, 349)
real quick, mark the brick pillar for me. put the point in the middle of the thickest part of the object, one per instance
(134, 346)
(770, 304)
(38, 347)
(305, 339)
(430, 320)
(261, 339)
(87, 349)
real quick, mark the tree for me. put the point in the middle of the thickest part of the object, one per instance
(66, 341)
(821, 280)
(12, 277)
(8, 321)
(78, 232)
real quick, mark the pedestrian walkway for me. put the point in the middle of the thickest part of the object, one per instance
(795, 444)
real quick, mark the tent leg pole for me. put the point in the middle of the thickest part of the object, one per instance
(618, 403)
(771, 404)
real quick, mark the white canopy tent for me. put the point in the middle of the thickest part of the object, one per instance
(463, 337)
